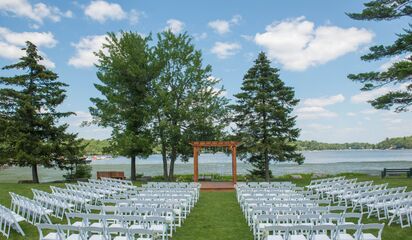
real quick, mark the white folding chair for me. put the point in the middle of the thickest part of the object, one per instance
(364, 233)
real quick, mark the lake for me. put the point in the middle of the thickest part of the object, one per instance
(330, 162)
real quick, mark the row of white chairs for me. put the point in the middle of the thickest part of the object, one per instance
(324, 232)
(393, 204)
(68, 232)
(261, 221)
(9, 220)
(57, 204)
(156, 223)
(29, 209)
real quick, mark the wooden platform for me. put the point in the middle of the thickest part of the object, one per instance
(217, 186)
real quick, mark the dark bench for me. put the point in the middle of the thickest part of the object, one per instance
(111, 174)
(205, 178)
(396, 171)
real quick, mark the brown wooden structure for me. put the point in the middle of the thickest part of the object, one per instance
(111, 174)
(197, 146)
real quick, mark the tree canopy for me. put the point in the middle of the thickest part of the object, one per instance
(263, 115)
(398, 75)
(125, 70)
(30, 133)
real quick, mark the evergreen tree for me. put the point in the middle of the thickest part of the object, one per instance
(263, 118)
(398, 74)
(30, 134)
(186, 103)
(125, 70)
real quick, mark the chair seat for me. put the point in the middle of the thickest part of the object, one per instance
(368, 236)
(120, 238)
(320, 237)
(51, 236)
(74, 237)
(274, 237)
(136, 226)
(297, 237)
(97, 237)
(158, 228)
(18, 217)
(345, 236)
(78, 224)
(263, 225)
(116, 225)
(97, 224)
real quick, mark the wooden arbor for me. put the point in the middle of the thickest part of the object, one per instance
(196, 150)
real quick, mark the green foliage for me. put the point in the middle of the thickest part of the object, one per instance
(263, 117)
(314, 145)
(95, 146)
(186, 105)
(384, 10)
(396, 143)
(125, 70)
(30, 135)
(79, 171)
(398, 74)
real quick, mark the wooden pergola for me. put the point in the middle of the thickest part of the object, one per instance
(197, 146)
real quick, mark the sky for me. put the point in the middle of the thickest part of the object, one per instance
(313, 43)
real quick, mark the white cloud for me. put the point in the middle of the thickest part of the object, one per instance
(297, 44)
(324, 101)
(314, 113)
(11, 44)
(319, 127)
(223, 26)
(40, 39)
(224, 49)
(37, 12)
(313, 108)
(366, 96)
(200, 36)
(385, 66)
(351, 114)
(174, 25)
(85, 48)
(134, 16)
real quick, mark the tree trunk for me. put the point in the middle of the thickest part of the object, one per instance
(267, 175)
(35, 173)
(133, 168)
(172, 163)
(164, 158)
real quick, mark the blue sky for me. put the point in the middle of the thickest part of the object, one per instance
(314, 44)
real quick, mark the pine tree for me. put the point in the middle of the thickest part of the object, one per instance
(125, 71)
(30, 132)
(263, 117)
(398, 74)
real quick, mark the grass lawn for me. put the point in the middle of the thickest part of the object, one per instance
(217, 216)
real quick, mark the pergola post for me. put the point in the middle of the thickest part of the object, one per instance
(196, 164)
(234, 171)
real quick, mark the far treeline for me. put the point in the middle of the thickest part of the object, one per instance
(98, 147)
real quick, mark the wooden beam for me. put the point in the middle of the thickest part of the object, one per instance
(195, 164)
(234, 170)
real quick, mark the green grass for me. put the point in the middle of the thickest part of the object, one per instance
(217, 215)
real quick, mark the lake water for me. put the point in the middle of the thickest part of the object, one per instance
(329, 162)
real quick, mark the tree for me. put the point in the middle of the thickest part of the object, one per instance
(187, 104)
(400, 71)
(262, 114)
(30, 133)
(125, 70)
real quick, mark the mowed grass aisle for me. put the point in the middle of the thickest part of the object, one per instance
(217, 215)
